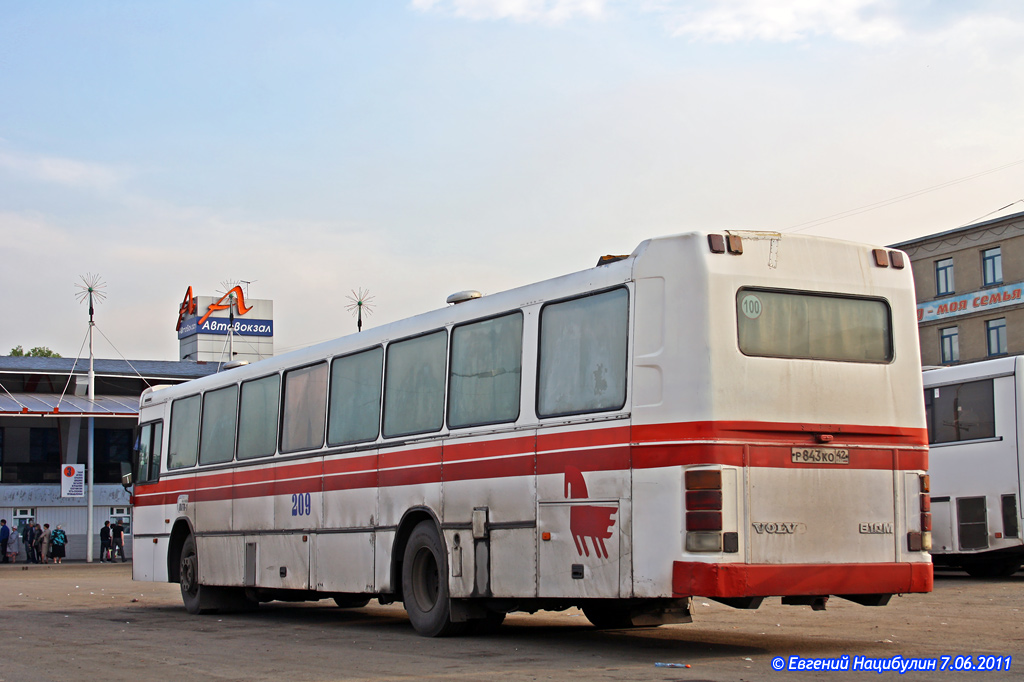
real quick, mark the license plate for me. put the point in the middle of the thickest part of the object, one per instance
(820, 456)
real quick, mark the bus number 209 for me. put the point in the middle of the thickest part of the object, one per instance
(302, 504)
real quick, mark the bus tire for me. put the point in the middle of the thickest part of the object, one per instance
(425, 583)
(191, 590)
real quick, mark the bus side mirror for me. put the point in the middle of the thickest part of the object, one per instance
(126, 475)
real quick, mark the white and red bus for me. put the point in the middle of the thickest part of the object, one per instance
(975, 418)
(735, 416)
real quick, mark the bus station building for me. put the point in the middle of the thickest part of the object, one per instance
(45, 416)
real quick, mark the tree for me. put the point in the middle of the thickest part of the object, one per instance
(37, 352)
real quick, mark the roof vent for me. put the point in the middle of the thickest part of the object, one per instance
(463, 296)
(236, 363)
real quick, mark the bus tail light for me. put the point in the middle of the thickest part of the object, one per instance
(921, 541)
(704, 479)
(733, 243)
(703, 510)
(703, 520)
(705, 500)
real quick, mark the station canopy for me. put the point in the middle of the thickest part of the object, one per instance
(52, 404)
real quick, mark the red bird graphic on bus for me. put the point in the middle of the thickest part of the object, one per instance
(587, 520)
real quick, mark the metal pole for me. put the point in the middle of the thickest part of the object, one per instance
(90, 460)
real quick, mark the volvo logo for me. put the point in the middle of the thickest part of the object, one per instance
(779, 528)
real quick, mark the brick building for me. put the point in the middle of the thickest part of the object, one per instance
(969, 285)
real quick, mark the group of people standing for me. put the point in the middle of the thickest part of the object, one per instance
(43, 545)
(111, 542)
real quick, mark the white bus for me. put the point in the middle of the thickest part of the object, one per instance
(736, 416)
(974, 431)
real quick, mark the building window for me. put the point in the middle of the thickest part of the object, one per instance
(112, 447)
(23, 516)
(950, 340)
(992, 266)
(123, 516)
(944, 277)
(996, 332)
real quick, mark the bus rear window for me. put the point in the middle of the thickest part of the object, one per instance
(789, 324)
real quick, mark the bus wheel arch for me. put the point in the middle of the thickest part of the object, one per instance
(181, 531)
(410, 520)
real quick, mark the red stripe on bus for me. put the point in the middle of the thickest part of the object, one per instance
(782, 458)
(353, 481)
(404, 458)
(652, 455)
(350, 464)
(504, 467)
(252, 490)
(582, 438)
(411, 476)
(691, 579)
(795, 433)
(454, 452)
(612, 458)
(300, 485)
(588, 450)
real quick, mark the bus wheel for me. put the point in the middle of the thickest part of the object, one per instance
(608, 617)
(189, 577)
(425, 584)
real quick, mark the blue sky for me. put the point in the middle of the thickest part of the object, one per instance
(421, 148)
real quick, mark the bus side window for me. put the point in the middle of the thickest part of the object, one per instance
(961, 412)
(305, 408)
(217, 439)
(156, 447)
(258, 416)
(184, 447)
(147, 457)
(582, 366)
(414, 385)
(487, 365)
(142, 454)
(355, 397)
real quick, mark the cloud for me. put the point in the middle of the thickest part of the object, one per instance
(859, 21)
(771, 21)
(542, 11)
(62, 171)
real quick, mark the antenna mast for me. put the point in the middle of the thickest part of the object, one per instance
(91, 289)
(361, 300)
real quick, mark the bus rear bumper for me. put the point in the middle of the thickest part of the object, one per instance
(690, 578)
